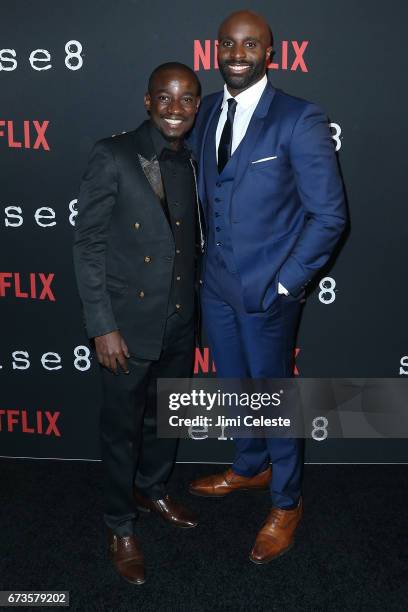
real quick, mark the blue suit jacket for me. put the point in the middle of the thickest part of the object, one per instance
(287, 213)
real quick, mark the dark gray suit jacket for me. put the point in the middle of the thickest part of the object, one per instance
(124, 247)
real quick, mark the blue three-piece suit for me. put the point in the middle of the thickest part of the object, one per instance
(274, 214)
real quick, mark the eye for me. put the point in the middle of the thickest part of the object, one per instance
(227, 43)
(188, 99)
(163, 98)
(251, 44)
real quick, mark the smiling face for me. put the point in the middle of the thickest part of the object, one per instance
(172, 101)
(244, 48)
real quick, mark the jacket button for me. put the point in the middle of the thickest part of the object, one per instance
(178, 278)
(147, 259)
(217, 229)
(218, 243)
(217, 199)
(178, 306)
(176, 204)
(137, 225)
(141, 294)
(178, 223)
(218, 183)
(178, 251)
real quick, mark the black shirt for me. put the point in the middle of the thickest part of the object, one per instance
(176, 172)
(180, 207)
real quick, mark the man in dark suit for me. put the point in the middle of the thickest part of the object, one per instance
(274, 208)
(135, 252)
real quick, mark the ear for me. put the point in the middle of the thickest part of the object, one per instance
(147, 101)
(198, 102)
(269, 54)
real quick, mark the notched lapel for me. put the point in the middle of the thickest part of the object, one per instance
(207, 122)
(255, 129)
(148, 168)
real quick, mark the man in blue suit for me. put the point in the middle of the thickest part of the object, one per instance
(274, 207)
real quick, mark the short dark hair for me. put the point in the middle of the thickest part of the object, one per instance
(173, 66)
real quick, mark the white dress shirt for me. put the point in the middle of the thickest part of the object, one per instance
(246, 104)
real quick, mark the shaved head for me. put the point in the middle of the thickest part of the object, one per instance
(248, 18)
(175, 69)
(244, 50)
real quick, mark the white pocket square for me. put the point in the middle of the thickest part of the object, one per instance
(264, 159)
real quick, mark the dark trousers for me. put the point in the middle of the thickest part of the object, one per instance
(255, 345)
(131, 452)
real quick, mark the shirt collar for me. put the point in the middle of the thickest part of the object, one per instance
(249, 97)
(160, 143)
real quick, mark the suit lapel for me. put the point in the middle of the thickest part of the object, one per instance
(213, 110)
(210, 171)
(148, 169)
(151, 169)
(254, 130)
(148, 160)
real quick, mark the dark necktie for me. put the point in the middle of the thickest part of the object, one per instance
(224, 148)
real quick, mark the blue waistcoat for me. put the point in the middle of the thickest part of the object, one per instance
(218, 194)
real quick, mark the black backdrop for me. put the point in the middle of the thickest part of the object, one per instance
(55, 102)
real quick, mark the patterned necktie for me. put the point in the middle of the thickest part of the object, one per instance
(224, 148)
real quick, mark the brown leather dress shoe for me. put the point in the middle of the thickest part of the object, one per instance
(277, 534)
(127, 558)
(168, 509)
(218, 485)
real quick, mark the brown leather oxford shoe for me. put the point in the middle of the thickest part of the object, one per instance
(277, 534)
(127, 558)
(168, 509)
(218, 485)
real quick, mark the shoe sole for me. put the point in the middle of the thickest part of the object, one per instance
(127, 579)
(134, 583)
(269, 559)
(148, 510)
(228, 492)
(130, 581)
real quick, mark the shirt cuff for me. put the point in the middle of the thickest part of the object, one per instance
(282, 290)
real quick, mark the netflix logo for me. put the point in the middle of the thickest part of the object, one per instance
(21, 421)
(203, 364)
(26, 134)
(288, 55)
(32, 285)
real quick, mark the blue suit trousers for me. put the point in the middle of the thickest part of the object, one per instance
(254, 345)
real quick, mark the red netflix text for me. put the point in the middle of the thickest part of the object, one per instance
(203, 364)
(28, 134)
(32, 285)
(289, 55)
(21, 421)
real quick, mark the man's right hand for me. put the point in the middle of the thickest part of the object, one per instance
(111, 350)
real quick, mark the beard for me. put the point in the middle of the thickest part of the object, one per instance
(241, 81)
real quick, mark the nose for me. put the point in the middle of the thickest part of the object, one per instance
(175, 107)
(238, 52)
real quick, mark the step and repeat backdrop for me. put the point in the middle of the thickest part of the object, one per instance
(71, 73)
